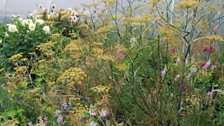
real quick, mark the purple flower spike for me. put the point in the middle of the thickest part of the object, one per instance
(30, 124)
(209, 94)
(41, 121)
(45, 118)
(60, 120)
(64, 105)
(103, 113)
(93, 124)
(119, 55)
(92, 112)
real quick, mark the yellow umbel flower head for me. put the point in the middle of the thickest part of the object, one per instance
(188, 4)
(101, 89)
(72, 76)
(15, 57)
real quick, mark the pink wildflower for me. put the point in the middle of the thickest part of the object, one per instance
(172, 50)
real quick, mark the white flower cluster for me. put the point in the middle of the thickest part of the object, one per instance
(32, 27)
(12, 28)
(30, 24)
(47, 29)
(40, 21)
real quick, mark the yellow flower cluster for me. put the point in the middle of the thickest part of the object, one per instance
(72, 76)
(107, 57)
(154, 2)
(105, 29)
(73, 49)
(38, 124)
(188, 4)
(46, 48)
(170, 35)
(120, 47)
(55, 36)
(101, 89)
(32, 53)
(215, 38)
(136, 21)
(20, 69)
(11, 123)
(97, 51)
(16, 57)
(195, 101)
(141, 18)
(65, 14)
(122, 67)
(211, 38)
(24, 59)
(109, 1)
(80, 109)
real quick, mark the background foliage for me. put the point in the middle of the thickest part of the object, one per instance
(116, 62)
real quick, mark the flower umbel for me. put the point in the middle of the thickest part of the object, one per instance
(12, 28)
(32, 27)
(46, 29)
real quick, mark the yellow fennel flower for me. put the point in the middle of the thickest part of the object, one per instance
(187, 4)
(15, 57)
